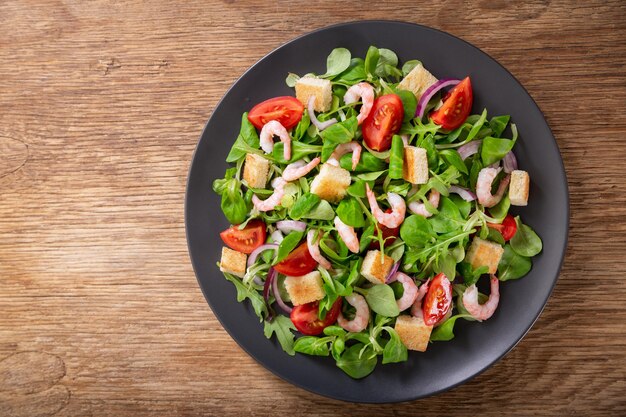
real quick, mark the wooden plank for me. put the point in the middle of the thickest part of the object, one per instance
(102, 105)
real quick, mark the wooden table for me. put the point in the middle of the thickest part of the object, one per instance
(101, 106)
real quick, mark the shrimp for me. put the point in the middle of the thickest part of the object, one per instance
(271, 129)
(272, 201)
(299, 169)
(361, 318)
(416, 309)
(420, 208)
(410, 291)
(343, 149)
(484, 311)
(366, 92)
(398, 209)
(314, 249)
(483, 187)
(348, 235)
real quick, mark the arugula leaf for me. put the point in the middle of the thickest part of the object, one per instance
(525, 241)
(288, 244)
(444, 332)
(312, 345)
(350, 212)
(448, 219)
(282, 327)
(247, 141)
(358, 361)
(512, 265)
(233, 203)
(416, 231)
(243, 292)
(302, 126)
(453, 158)
(381, 300)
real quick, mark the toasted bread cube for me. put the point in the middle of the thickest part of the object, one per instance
(413, 332)
(519, 187)
(373, 269)
(319, 88)
(484, 253)
(255, 170)
(415, 166)
(233, 262)
(331, 183)
(305, 289)
(417, 81)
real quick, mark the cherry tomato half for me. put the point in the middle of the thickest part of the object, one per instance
(299, 262)
(305, 317)
(286, 109)
(438, 299)
(456, 106)
(507, 228)
(246, 240)
(384, 120)
(388, 234)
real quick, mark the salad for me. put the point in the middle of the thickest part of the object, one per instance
(366, 209)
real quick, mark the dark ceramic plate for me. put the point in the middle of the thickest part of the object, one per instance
(477, 345)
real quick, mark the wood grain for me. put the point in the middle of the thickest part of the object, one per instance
(102, 103)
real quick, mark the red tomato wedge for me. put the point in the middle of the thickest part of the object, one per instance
(507, 228)
(286, 109)
(299, 262)
(384, 120)
(438, 299)
(388, 234)
(305, 317)
(457, 105)
(246, 240)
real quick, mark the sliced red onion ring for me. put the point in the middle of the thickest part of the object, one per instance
(276, 293)
(287, 226)
(509, 162)
(320, 125)
(465, 194)
(469, 149)
(255, 253)
(277, 236)
(391, 275)
(430, 92)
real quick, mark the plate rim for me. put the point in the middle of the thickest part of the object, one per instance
(338, 396)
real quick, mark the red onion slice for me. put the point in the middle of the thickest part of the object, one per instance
(277, 236)
(469, 149)
(287, 226)
(430, 92)
(255, 253)
(391, 275)
(465, 194)
(276, 293)
(509, 162)
(320, 125)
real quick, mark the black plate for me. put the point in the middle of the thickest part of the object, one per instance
(477, 345)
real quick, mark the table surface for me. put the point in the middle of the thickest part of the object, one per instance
(102, 103)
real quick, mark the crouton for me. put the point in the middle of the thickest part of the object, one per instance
(331, 183)
(415, 166)
(413, 332)
(484, 253)
(317, 87)
(417, 81)
(305, 289)
(372, 268)
(233, 262)
(255, 170)
(519, 187)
